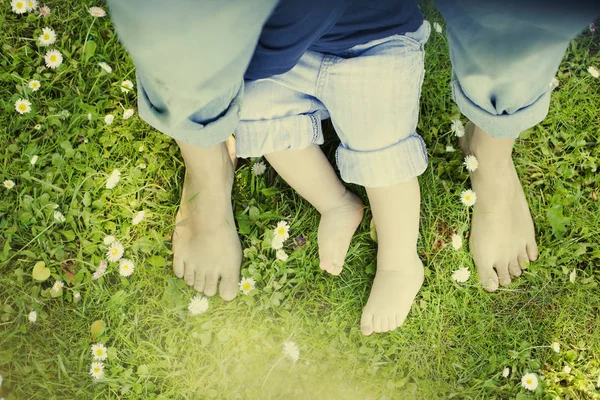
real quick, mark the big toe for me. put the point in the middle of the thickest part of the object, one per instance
(488, 278)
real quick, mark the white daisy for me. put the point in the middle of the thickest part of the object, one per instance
(198, 305)
(468, 197)
(139, 217)
(45, 11)
(555, 347)
(97, 370)
(529, 381)
(19, 6)
(461, 275)
(108, 119)
(105, 67)
(34, 85)
(126, 267)
(141, 148)
(32, 5)
(47, 37)
(32, 317)
(22, 106)
(259, 168)
(458, 128)
(471, 163)
(59, 217)
(37, 127)
(99, 352)
(281, 231)
(53, 59)
(567, 369)
(97, 12)
(128, 113)
(450, 149)
(276, 243)
(113, 179)
(76, 296)
(506, 372)
(33, 160)
(290, 350)
(9, 184)
(247, 285)
(126, 86)
(437, 27)
(115, 251)
(89, 116)
(281, 255)
(593, 72)
(100, 270)
(58, 285)
(457, 241)
(108, 239)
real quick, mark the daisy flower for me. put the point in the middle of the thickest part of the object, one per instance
(450, 149)
(22, 106)
(109, 239)
(44, 11)
(506, 372)
(97, 12)
(458, 128)
(105, 67)
(259, 168)
(555, 347)
(9, 184)
(32, 317)
(276, 243)
(126, 267)
(567, 369)
(247, 285)
(53, 59)
(282, 231)
(34, 85)
(128, 113)
(115, 252)
(37, 127)
(97, 370)
(18, 6)
(113, 179)
(461, 275)
(437, 27)
(59, 217)
(468, 197)
(281, 255)
(32, 5)
(593, 72)
(100, 270)
(99, 352)
(47, 37)
(198, 305)
(108, 119)
(58, 285)
(290, 350)
(529, 381)
(76, 296)
(89, 116)
(471, 163)
(138, 217)
(126, 86)
(457, 241)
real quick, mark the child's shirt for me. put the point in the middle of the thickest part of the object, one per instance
(326, 26)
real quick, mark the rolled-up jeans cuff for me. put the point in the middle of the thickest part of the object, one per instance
(502, 126)
(395, 164)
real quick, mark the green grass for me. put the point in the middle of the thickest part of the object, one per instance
(455, 344)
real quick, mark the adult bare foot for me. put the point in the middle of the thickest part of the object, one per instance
(206, 246)
(502, 239)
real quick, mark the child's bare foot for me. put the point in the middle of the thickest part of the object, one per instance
(396, 284)
(502, 238)
(205, 243)
(336, 229)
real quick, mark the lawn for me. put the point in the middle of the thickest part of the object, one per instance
(458, 342)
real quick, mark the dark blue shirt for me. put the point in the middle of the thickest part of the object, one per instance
(327, 26)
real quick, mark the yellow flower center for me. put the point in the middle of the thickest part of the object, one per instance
(467, 197)
(529, 381)
(46, 36)
(19, 5)
(281, 231)
(99, 352)
(30, 4)
(96, 369)
(53, 58)
(22, 107)
(247, 286)
(114, 251)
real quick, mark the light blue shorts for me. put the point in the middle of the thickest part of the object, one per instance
(371, 93)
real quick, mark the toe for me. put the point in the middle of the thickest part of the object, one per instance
(228, 287)
(376, 324)
(189, 274)
(532, 251)
(503, 274)
(200, 281)
(523, 259)
(210, 285)
(392, 323)
(178, 266)
(514, 268)
(335, 269)
(366, 324)
(384, 324)
(488, 278)
(399, 320)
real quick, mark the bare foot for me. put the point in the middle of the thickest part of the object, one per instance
(502, 239)
(392, 294)
(336, 229)
(206, 246)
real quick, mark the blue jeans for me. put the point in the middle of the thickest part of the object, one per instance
(371, 93)
(504, 55)
(190, 58)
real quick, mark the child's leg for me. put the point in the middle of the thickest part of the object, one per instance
(309, 172)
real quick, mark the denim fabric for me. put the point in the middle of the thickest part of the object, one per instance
(190, 58)
(371, 93)
(504, 55)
